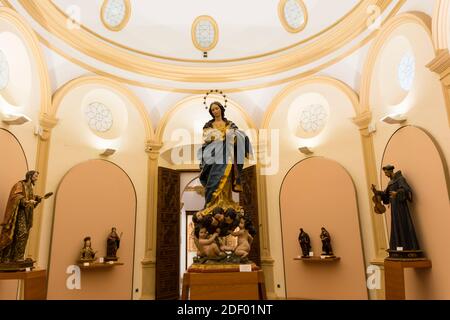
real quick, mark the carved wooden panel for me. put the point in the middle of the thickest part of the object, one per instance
(168, 235)
(248, 199)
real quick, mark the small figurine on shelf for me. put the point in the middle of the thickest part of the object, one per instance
(87, 254)
(305, 243)
(112, 244)
(327, 251)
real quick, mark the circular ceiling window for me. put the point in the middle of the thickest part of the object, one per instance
(308, 114)
(99, 117)
(293, 15)
(115, 14)
(407, 71)
(205, 33)
(4, 71)
(313, 118)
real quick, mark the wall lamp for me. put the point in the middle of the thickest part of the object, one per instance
(108, 152)
(305, 150)
(15, 120)
(394, 118)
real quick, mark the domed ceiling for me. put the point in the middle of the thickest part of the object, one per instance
(183, 44)
(245, 28)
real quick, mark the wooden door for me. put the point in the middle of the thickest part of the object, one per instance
(248, 199)
(168, 235)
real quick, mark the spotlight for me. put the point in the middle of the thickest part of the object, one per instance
(15, 120)
(394, 118)
(305, 150)
(108, 152)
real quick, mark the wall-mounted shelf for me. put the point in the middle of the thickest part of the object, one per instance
(319, 259)
(98, 265)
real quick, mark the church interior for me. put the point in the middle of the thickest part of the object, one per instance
(345, 106)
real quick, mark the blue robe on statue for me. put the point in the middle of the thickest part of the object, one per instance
(222, 160)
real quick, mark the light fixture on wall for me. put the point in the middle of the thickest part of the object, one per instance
(305, 150)
(394, 118)
(108, 152)
(15, 120)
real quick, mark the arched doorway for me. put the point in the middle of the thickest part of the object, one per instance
(169, 242)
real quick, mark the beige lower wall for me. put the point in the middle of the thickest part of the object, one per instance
(413, 151)
(92, 198)
(317, 193)
(13, 166)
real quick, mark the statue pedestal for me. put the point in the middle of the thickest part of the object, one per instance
(22, 265)
(411, 255)
(35, 283)
(217, 284)
(394, 276)
(107, 259)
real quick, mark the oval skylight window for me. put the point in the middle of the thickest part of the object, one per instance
(205, 33)
(115, 14)
(407, 71)
(293, 15)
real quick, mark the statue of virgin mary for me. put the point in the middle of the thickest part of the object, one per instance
(222, 155)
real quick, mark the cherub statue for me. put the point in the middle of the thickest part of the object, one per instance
(206, 245)
(245, 237)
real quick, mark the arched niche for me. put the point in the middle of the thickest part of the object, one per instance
(384, 73)
(316, 193)
(93, 197)
(126, 113)
(414, 152)
(13, 166)
(28, 90)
